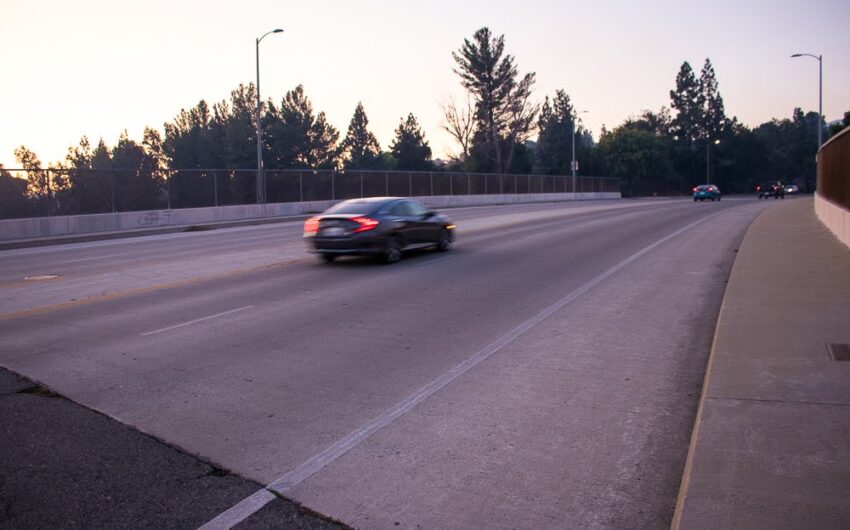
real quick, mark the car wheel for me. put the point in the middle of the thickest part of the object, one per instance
(392, 252)
(695, 199)
(328, 258)
(445, 241)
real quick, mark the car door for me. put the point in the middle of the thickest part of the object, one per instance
(400, 215)
(424, 228)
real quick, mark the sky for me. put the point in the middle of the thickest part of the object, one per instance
(99, 67)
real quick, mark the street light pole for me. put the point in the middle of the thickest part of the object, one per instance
(573, 164)
(261, 183)
(820, 92)
(707, 159)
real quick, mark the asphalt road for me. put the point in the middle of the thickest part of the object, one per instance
(545, 373)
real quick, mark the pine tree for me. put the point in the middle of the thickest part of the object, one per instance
(504, 116)
(323, 144)
(360, 147)
(554, 140)
(688, 102)
(136, 185)
(240, 130)
(410, 148)
(297, 138)
(715, 120)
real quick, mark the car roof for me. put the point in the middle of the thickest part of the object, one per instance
(375, 199)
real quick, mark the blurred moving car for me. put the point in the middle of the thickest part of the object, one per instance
(790, 189)
(771, 188)
(706, 191)
(383, 227)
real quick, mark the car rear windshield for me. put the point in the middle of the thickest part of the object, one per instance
(353, 207)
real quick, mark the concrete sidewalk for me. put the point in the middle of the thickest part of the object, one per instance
(771, 444)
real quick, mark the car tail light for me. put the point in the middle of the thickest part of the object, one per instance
(365, 224)
(311, 226)
(696, 190)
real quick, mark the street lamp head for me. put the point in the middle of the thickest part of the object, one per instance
(278, 30)
(797, 55)
(716, 142)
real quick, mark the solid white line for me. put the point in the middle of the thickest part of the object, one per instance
(240, 512)
(169, 328)
(318, 462)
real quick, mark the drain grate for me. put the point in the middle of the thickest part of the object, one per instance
(39, 277)
(839, 352)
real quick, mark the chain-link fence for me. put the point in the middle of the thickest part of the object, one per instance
(81, 191)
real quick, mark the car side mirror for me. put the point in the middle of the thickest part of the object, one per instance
(429, 214)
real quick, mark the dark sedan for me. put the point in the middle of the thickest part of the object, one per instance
(383, 227)
(771, 188)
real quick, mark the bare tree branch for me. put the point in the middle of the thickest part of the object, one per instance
(460, 124)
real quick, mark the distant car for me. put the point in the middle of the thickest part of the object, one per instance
(383, 227)
(771, 188)
(706, 191)
(790, 189)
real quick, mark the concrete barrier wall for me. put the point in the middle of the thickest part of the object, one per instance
(834, 217)
(12, 229)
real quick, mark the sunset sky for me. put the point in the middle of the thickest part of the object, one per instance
(97, 67)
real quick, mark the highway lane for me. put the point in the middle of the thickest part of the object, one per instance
(95, 269)
(582, 421)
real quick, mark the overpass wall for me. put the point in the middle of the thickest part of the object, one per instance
(832, 200)
(12, 229)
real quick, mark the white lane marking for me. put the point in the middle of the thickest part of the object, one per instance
(241, 511)
(318, 462)
(169, 328)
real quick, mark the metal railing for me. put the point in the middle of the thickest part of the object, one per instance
(834, 169)
(85, 191)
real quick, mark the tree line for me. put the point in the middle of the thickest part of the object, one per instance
(499, 128)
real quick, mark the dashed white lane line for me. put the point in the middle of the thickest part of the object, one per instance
(189, 323)
(286, 482)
